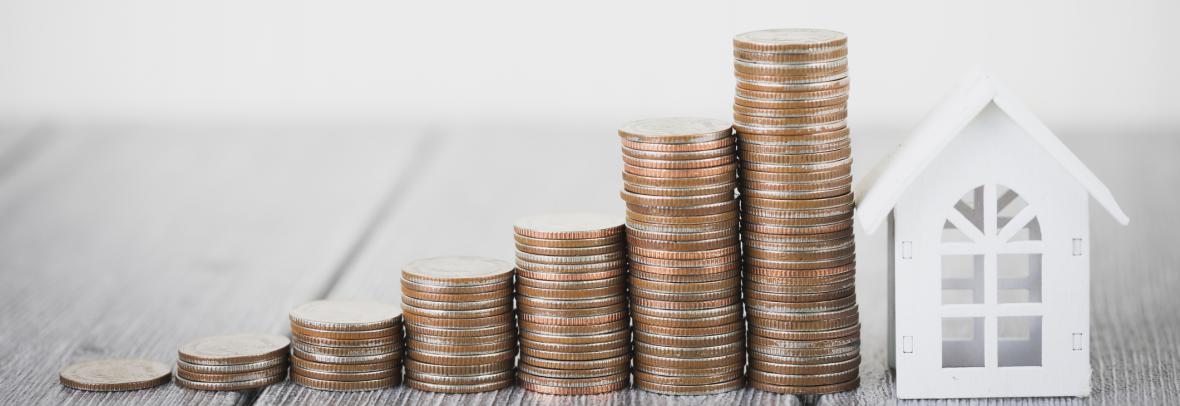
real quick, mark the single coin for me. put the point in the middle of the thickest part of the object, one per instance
(345, 386)
(347, 351)
(115, 374)
(575, 312)
(673, 332)
(574, 348)
(756, 340)
(675, 130)
(459, 314)
(791, 87)
(463, 305)
(637, 300)
(791, 79)
(485, 387)
(569, 252)
(803, 380)
(480, 339)
(571, 260)
(690, 352)
(790, 40)
(806, 325)
(572, 373)
(807, 390)
(687, 287)
(580, 243)
(690, 147)
(613, 336)
(576, 356)
(572, 391)
(807, 69)
(730, 337)
(457, 297)
(795, 149)
(234, 377)
(675, 201)
(459, 359)
(715, 243)
(328, 342)
(412, 288)
(433, 320)
(678, 155)
(575, 330)
(598, 267)
(802, 360)
(230, 386)
(680, 163)
(676, 219)
(566, 294)
(710, 389)
(463, 349)
(772, 138)
(681, 173)
(793, 130)
(689, 380)
(230, 369)
(676, 322)
(786, 104)
(459, 370)
(703, 210)
(678, 300)
(569, 285)
(459, 380)
(337, 359)
(724, 177)
(346, 315)
(347, 376)
(623, 360)
(781, 57)
(458, 271)
(688, 277)
(762, 288)
(574, 321)
(557, 305)
(659, 263)
(569, 226)
(645, 359)
(570, 276)
(297, 362)
(793, 369)
(798, 297)
(443, 331)
(234, 349)
(572, 382)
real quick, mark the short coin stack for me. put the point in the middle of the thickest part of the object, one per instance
(460, 328)
(340, 345)
(571, 294)
(685, 271)
(789, 112)
(232, 362)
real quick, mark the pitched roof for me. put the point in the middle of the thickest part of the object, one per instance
(884, 186)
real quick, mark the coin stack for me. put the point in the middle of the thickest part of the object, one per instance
(460, 328)
(232, 362)
(789, 113)
(571, 291)
(685, 255)
(340, 345)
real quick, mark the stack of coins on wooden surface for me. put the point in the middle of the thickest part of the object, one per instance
(232, 362)
(571, 294)
(340, 345)
(789, 113)
(460, 327)
(685, 255)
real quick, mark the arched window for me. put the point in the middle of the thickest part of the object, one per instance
(991, 257)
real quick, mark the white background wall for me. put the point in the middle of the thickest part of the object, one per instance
(1077, 63)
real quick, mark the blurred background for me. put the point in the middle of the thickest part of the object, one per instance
(1077, 63)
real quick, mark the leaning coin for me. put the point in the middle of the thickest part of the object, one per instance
(117, 374)
(234, 349)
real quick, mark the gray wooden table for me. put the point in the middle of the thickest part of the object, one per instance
(128, 240)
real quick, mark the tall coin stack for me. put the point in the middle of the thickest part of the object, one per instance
(685, 271)
(571, 294)
(340, 345)
(232, 362)
(789, 112)
(460, 328)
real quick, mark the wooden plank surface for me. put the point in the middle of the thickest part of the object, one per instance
(1135, 327)
(128, 241)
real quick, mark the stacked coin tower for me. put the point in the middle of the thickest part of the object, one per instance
(340, 345)
(685, 270)
(460, 328)
(789, 112)
(232, 362)
(571, 294)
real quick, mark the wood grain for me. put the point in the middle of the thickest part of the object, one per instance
(126, 242)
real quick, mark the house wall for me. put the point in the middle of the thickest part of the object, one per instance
(992, 149)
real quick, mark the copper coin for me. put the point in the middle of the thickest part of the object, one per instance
(690, 352)
(688, 363)
(583, 390)
(805, 352)
(795, 289)
(648, 329)
(457, 297)
(579, 243)
(806, 325)
(802, 278)
(572, 373)
(471, 305)
(691, 341)
(576, 356)
(349, 315)
(755, 264)
(459, 370)
(764, 77)
(574, 313)
(572, 382)
(574, 321)
(818, 68)
(794, 189)
(582, 330)
(798, 297)
(683, 300)
(559, 304)
(347, 376)
(234, 349)
(680, 173)
(710, 389)
(774, 137)
(683, 182)
(570, 276)
(623, 361)
(796, 159)
(683, 263)
(787, 104)
(839, 172)
(432, 320)
(570, 260)
(413, 288)
(820, 229)
(675, 236)
(727, 149)
(827, 53)
(691, 380)
(571, 251)
(457, 271)
(297, 362)
(438, 358)
(690, 372)
(598, 267)
(230, 386)
(486, 387)
(676, 201)
(676, 130)
(807, 390)
(235, 377)
(853, 330)
(685, 305)
(680, 163)
(685, 255)
(793, 307)
(829, 343)
(444, 331)
(573, 348)
(715, 243)
(695, 231)
(798, 168)
(588, 293)
(696, 146)
(569, 226)
(230, 369)
(803, 246)
(337, 359)
(459, 380)
(710, 286)
(706, 218)
(489, 347)
(804, 380)
(756, 313)
(765, 86)
(697, 314)
(458, 314)
(347, 351)
(345, 386)
(805, 95)
(480, 339)
(688, 277)
(675, 322)
(115, 374)
(792, 369)
(796, 195)
(595, 283)
(677, 192)
(795, 148)
(800, 256)
(794, 130)
(612, 336)
(789, 239)
(790, 40)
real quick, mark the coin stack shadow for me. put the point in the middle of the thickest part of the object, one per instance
(685, 255)
(794, 146)
(232, 362)
(346, 345)
(460, 327)
(571, 295)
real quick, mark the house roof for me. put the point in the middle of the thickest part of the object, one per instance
(884, 186)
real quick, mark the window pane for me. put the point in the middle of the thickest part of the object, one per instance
(962, 279)
(1019, 278)
(962, 342)
(1019, 341)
